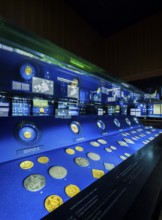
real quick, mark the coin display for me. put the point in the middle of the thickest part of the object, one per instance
(127, 155)
(93, 156)
(81, 161)
(71, 190)
(113, 147)
(97, 173)
(27, 164)
(70, 151)
(53, 202)
(78, 148)
(108, 149)
(123, 157)
(58, 172)
(101, 141)
(43, 159)
(94, 144)
(34, 182)
(109, 166)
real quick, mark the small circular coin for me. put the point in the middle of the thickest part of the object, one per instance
(58, 172)
(71, 190)
(94, 144)
(81, 161)
(43, 159)
(34, 182)
(27, 164)
(93, 156)
(53, 202)
(27, 134)
(78, 148)
(101, 141)
(70, 151)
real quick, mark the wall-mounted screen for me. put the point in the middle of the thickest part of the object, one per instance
(156, 109)
(42, 107)
(21, 106)
(42, 86)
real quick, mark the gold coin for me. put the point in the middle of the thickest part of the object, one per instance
(41, 110)
(27, 164)
(71, 190)
(97, 173)
(53, 202)
(27, 134)
(28, 70)
(43, 159)
(74, 128)
(70, 151)
(78, 148)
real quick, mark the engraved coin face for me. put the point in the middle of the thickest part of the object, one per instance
(94, 144)
(78, 148)
(27, 134)
(75, 127)
(102, 141)
(53, 202)
(43, 159)
(113, 147)
(123, 157)
(109, 166)
(58, 172)
(70, 151)
(93, 156)
(81, 161)
(27, 164)
(97, 173)
(108, 150)
(71, 190)
(127, 155)
(34, 182)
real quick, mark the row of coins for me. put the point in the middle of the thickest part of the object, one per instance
(29, 164)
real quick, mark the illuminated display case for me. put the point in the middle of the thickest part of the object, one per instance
(66, 125)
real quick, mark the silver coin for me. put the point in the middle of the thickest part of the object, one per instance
(129, 141)
(123, 157)
(101, 141)
(109, 166)
(94, 144)
(34, 182)
(116, 122)
(81, 161)
(108, 149)
(58, 172)
(93, 156)
(113, 148)
(128, 121)
(127, 155)
(122, 143)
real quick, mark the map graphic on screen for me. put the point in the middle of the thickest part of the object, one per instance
(44, 86)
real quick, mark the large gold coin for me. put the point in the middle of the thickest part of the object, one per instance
(27, 134)
(71, 190)
(70, 151)
(53, 202)
(78, 148)
(27, 164)
(43, 159)
(97, 173)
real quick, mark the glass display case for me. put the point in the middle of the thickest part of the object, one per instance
(65, 124)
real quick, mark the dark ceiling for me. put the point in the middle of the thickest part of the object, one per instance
(110, 16)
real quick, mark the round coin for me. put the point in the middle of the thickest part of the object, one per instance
(94, 144)
(27, 134)
(27, 164)
(108, 149)
(127, 155)
(123, 157)
(43, 159)
(93, 156)
(34, 182)
(101, 141)
(71, 190)
(109, 166)
(78, 148)
(70, 151)
(81, 161)
(113, 148)
(53, 202)
(58, 172)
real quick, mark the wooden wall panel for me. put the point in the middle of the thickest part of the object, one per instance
(57, 22)
(136, 52)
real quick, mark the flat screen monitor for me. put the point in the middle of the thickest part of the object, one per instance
(42, 86)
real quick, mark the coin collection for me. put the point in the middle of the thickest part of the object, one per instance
(36, 182)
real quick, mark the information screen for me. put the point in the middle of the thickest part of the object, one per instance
(42, 86)
(21, 106)
(42, 107)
